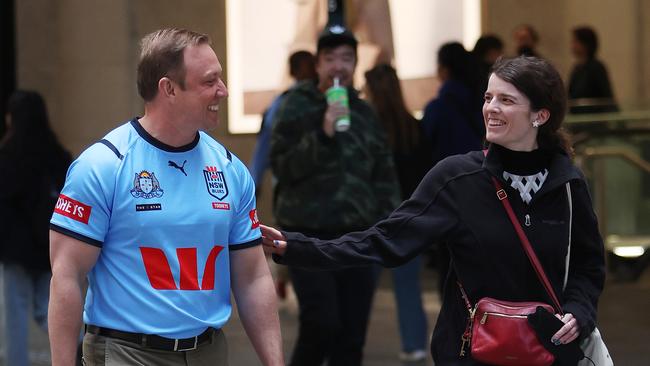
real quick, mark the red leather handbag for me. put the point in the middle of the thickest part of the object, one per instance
(501, 334)
(498, 331)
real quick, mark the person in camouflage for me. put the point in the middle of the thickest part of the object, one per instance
(330, 183)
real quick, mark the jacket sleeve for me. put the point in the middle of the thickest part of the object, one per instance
(298, 143)
(425, 218)
(587, 265)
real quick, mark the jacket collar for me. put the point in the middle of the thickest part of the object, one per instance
(560, 171)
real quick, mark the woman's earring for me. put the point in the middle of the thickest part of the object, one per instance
(535, 124)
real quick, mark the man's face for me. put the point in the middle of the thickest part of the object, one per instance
(198, 102)
(523, 38)
(334, 62)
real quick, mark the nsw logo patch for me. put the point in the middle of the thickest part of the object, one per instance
(215, 182)
(146, 185)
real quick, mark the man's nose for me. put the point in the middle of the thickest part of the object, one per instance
(339, 64)
(222, 90)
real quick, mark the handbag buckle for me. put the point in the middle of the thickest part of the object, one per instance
(501, 194)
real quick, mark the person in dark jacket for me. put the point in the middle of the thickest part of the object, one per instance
(456, 204)
(452, 121)
(301, 67)
(328, 183)
(33, 165)
(589, 88)
(412, 162)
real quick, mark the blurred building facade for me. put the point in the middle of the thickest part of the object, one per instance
(81, 55)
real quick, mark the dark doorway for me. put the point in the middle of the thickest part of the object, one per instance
(7, 56)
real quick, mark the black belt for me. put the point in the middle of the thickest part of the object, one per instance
(154, 341)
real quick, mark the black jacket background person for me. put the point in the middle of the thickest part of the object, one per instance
(33, 166)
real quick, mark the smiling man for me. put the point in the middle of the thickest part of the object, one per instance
(329, 183)
(161, 219)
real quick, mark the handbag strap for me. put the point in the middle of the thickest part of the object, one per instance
(568, 253)
(503, 197)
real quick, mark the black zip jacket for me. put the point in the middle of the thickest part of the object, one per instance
(456, 205)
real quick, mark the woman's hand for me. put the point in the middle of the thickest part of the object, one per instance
(273, 240)
(568, 332)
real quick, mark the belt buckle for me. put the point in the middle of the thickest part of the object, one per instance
(196, 341)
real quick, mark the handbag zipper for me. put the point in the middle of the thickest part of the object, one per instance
(485, 315)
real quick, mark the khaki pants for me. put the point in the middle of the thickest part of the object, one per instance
(104, 351)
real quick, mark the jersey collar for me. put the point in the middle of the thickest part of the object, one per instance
(159, 144)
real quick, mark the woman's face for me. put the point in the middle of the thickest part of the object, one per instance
(508, 117)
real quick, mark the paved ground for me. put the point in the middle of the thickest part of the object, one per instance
(624, 322)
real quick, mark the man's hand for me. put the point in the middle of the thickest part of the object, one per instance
(334, 112)
(273, 240)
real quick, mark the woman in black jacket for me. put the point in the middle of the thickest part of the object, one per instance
(33, 165)
(455, 205)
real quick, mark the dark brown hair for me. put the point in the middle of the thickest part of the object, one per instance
(162, 56)
(386, 96)
(30, 129)
(588, 38)
(542, 84)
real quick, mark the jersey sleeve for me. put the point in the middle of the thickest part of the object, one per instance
(244, 230)
(84, 205)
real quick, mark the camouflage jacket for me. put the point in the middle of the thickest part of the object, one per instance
(330, 185)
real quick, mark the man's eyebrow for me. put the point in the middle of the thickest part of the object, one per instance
(211, 73)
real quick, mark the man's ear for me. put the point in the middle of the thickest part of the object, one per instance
(166, 87)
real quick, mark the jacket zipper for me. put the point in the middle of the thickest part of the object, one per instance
(527, 220)
(485, 316)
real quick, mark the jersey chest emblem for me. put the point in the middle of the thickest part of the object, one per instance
(215, 182)
(146, 185)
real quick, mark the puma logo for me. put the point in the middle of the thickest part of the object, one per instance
(181, 168)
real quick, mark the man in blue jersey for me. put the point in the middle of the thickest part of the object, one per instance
(160, 218)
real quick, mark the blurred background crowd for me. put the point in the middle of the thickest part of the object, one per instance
(423, 65)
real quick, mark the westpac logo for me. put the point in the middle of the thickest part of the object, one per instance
(160, 274)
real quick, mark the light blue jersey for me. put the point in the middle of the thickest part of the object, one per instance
(165, 219)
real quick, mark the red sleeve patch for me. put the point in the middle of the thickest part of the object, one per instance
(73, 209)
(255, 222)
